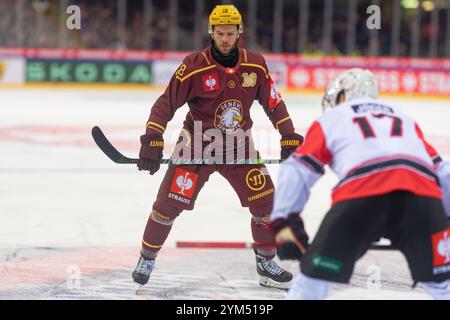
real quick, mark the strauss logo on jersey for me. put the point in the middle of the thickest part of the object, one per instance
(183, 185)
(211, 82)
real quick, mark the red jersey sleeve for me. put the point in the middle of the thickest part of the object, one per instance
(177, 93)
(430, 150)
(273, 104)
(314, 151)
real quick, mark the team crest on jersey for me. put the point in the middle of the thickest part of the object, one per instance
(211, 82)
(249, 80)
(183, 185)
(275, 96)
(441, 251)
(228, 117)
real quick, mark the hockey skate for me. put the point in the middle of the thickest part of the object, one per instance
(142, 272)
(272, 275)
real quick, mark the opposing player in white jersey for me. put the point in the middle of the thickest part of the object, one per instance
(391, 183)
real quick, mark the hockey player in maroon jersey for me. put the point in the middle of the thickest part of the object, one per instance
(391, 183)
(219, 84)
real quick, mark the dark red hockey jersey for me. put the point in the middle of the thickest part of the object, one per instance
(220, 97)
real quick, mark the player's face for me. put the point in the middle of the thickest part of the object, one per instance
(225, 36)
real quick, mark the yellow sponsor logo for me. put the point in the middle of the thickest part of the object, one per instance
(261, 195)
(255, 179)
(249, 80)
(290, 143)
(157, 143)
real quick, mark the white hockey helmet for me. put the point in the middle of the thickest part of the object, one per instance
(353, 83)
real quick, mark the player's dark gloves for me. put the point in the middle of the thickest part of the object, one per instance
(289, 143)
(290, 236)
(151, 152)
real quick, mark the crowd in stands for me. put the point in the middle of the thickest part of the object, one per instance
(40, 23)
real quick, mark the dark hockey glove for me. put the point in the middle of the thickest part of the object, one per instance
(151, 152)
(290, 236)
(289, 143)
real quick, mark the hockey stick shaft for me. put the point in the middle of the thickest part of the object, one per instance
(111, 152)
(246, 245)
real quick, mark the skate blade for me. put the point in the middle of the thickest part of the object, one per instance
(269, 283)
(142, 294)
(138, 290)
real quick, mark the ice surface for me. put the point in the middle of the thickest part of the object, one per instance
(69, 213)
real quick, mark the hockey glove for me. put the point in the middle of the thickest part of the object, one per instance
(289, 143)
(290, 236)
(151, 152)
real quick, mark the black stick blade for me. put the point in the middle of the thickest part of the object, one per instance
(108, 149)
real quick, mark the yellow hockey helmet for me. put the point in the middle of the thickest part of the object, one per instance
(225, 14)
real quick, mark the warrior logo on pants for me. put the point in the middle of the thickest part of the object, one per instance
(183, 183)
(255, 179)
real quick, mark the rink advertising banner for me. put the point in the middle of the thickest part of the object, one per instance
(12, 70)
(389, 80)
(97, 55)
(278, 73)
(395, 75)
(88, 71)
(163, 70)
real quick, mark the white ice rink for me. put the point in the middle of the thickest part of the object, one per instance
(72, 220)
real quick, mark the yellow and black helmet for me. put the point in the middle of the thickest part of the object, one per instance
(225, 14)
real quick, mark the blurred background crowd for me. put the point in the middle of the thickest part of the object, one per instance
(310, 27)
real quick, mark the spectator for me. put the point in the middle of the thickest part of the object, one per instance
(41, 27)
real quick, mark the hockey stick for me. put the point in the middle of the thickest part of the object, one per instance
(117, 157)
(246, 245)
(112, 153)
(108, 149)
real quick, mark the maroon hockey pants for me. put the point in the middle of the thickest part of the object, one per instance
(182, 184)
